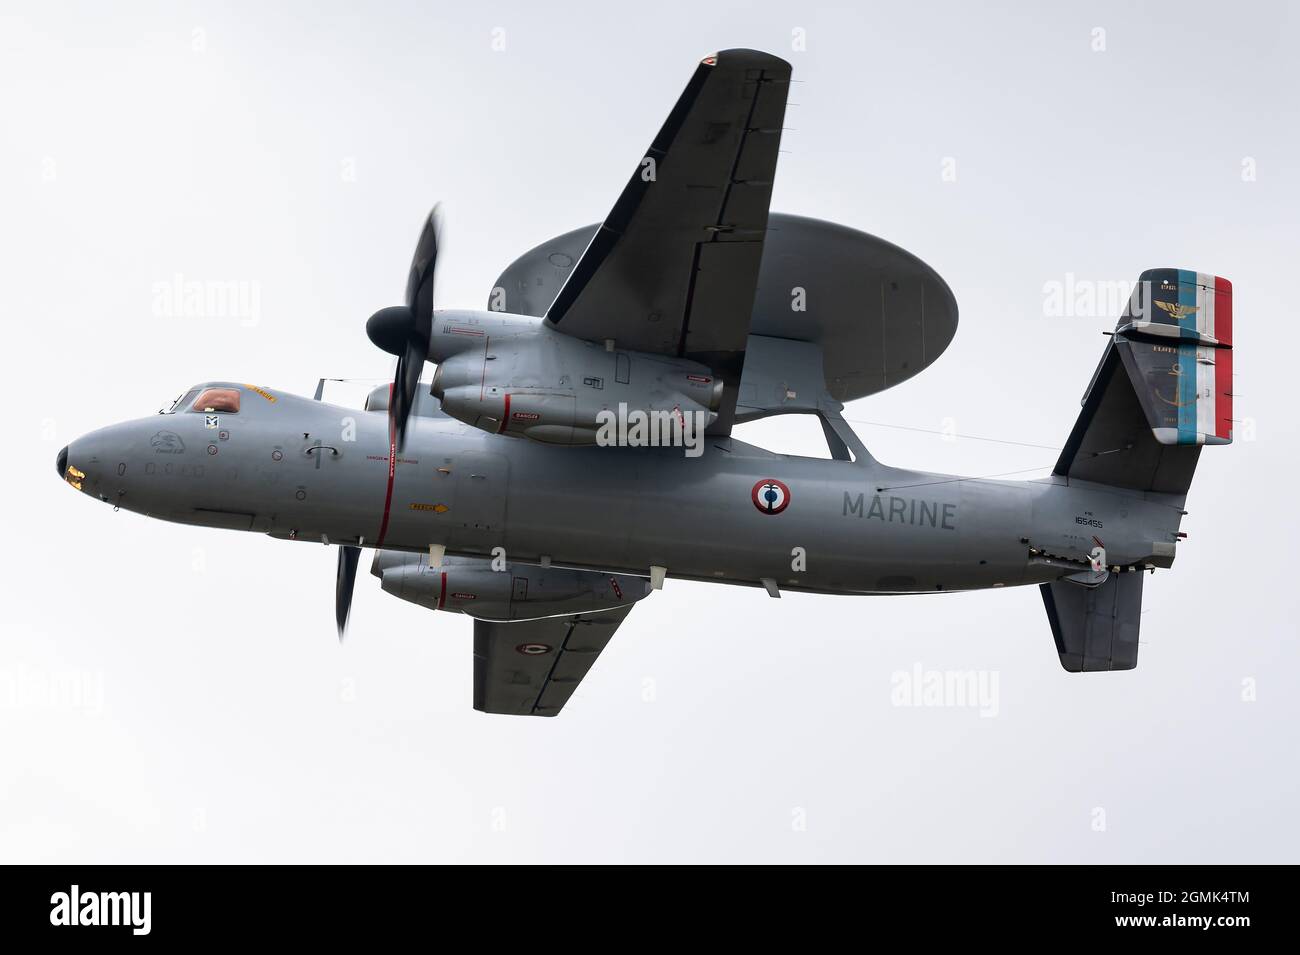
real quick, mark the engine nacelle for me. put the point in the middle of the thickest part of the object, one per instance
(519, 592)
(514, 375)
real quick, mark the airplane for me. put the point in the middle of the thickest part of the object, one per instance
(574, 447)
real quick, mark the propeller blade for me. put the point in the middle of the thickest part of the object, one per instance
(406, 389)
(346, 577)
(425, 260)
(405, 330)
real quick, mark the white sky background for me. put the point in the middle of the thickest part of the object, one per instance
(233, 727)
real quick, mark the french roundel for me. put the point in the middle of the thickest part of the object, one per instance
(770, 496)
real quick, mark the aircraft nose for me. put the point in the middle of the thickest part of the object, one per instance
(99, 463)
(69, 469)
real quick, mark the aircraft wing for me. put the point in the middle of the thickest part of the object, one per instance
(532, 667)
(674, 267)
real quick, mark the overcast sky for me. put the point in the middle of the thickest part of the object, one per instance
(170, 693)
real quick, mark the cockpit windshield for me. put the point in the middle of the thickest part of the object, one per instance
(181, 403)
(218, 399)
(206, 398)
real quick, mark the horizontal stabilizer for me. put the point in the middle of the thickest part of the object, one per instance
(1096, 628)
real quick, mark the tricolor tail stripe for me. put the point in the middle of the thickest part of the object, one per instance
(1190, 396)
(1211, 297)
(1189, 296)
(1179, 327)
(1222, 299)
(1223, 394)
(1205, 412)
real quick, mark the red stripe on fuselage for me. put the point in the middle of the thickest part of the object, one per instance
(505, 415)
(392, 469)
(442, 594)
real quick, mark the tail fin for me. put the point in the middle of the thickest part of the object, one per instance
(1097, 628)
(1162, 391)
(1163, 387)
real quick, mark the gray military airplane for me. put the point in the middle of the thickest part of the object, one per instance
(574, 446)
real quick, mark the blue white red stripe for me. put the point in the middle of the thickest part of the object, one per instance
(1205, 356)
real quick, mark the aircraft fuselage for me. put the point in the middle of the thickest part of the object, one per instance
(310, 471)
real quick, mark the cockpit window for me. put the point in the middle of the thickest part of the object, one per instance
(180, 403)
(218, 399)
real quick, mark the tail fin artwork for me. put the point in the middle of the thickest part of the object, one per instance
(1163, 388)
(1162, 391)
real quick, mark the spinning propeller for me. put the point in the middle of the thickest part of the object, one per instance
(404, 330)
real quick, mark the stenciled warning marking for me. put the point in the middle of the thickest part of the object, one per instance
(770, 496)
(259, 391)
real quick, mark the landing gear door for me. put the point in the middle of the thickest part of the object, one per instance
(479, 508)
